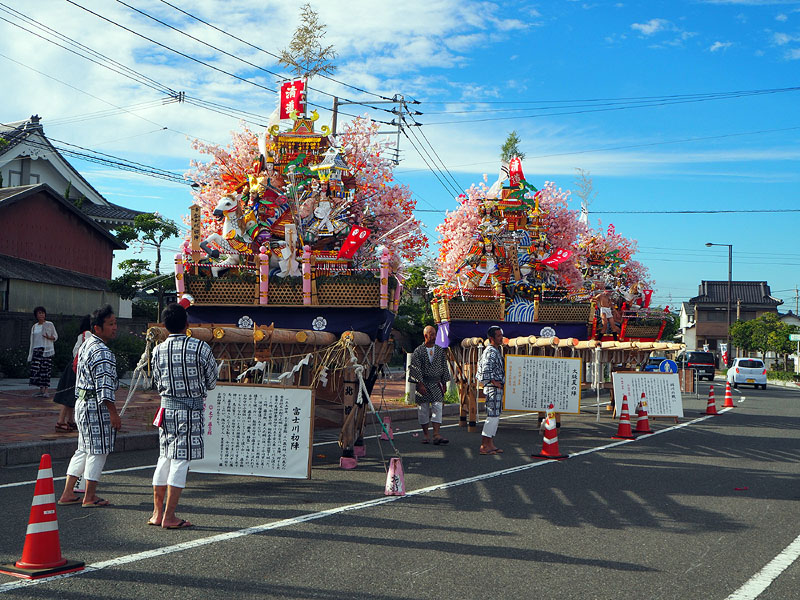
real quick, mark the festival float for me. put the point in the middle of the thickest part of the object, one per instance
(515, 256)
(293, 259)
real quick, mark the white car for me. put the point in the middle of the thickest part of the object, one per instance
(750, 371)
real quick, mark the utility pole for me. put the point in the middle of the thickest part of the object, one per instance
(400, 110)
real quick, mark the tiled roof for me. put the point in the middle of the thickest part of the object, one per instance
(749, 292)
(14, 133)
(112, 212)
(26, 270)
(11, 195)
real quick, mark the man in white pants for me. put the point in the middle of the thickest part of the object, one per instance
(184, 369)
(429, 371)
(492, 374)
(95, 412)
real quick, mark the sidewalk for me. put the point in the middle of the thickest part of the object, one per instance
(27, 424)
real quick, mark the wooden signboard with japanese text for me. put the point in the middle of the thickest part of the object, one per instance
(258, 430)
(661, 390)
(534, 382)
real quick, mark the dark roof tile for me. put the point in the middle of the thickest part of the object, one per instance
(749, 292)
(26, 270)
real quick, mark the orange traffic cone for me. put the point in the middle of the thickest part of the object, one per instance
(624, 430)
(41, 555)
(642, 422)
(550, 441)
(728, 396)
(711, 407)
(395, 479)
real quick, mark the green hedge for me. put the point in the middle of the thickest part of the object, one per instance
(783, 375)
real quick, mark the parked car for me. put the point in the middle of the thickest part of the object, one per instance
(653, 363)
(702, 362)
(750, 371)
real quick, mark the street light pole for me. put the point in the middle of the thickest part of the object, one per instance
(730, 274)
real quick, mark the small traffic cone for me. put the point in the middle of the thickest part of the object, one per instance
(728, 396)
(359, 449)
(642, 422)
(711, 407)
(387, 423)
(348, 462)
(395, 479)
(550, 441)
(41, 555)
(624, 430)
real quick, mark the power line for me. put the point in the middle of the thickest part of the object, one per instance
(631, 146)
(190, 15)
(191, 58)
(422, 132)
(453, 189)
(226, 53)
(611, 108)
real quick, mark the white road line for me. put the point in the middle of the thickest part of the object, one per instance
(113, 471)
(762, 580)
(223, 537)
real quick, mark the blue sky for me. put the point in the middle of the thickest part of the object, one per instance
(565, 75)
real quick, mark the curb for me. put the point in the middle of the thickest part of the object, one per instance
(21, 453)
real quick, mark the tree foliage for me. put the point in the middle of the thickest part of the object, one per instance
(765, 334)
(510, 148)
(306, 54)
(149, 229)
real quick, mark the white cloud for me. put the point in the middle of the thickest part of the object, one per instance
(781, 17)
(793, 54)
(720, 46)
(652, 26)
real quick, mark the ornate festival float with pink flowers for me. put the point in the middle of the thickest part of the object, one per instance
(293, 260)
(515, 256)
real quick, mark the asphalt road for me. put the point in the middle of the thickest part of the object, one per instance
(694, 511)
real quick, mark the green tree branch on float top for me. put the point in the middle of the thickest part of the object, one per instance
(510, 148)
(305, 54)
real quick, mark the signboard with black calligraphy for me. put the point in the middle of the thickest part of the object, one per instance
(258, 430)
(661, 390)
(534, 382)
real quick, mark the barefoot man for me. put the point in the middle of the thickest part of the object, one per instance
(184, 370)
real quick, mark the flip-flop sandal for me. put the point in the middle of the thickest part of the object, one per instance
(149, 522)
(73, 426)
(99, 503)
(487, 453)
(498, 450)
(68, 502)
(426, 441)
(440, 441)
(63, 427)
(182, 524)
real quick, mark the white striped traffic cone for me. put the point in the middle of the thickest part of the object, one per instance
(550, 441)
(642, 422)
(624, 430)
(711, 407)
(41, 555)
(395, 479)
(728, 396)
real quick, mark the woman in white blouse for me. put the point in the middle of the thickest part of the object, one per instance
(41, 351)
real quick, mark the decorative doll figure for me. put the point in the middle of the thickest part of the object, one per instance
(487, 263)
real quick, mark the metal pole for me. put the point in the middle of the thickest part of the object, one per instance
(730, 272)
(335, 114)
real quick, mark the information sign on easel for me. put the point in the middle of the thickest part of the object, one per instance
(661, 390)
(534, 382)
(258, 430)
